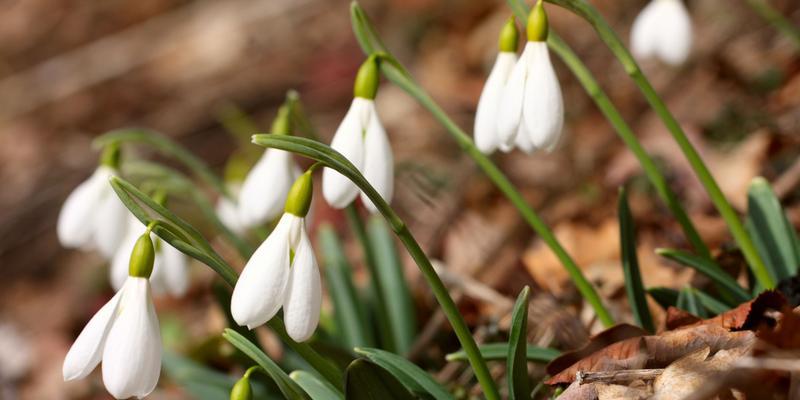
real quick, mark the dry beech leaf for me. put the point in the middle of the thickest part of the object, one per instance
(603, 391)
(694, 371)
(597, 342)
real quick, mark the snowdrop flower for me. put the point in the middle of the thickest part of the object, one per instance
(531, 108)
(93, 217)
(663, 30)
(124, 334)
(272, 278)
(266, 185)
(170, 269)
(489, 103)
(227, 211)
(363, 141)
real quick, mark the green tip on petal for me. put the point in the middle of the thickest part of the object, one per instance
(111, 156)
(509, 37)
(282, 124)
(367, 79)
(299, 199)
(537, 23)
(242, 390)
(142, 257)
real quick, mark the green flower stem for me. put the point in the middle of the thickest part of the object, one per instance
(336, 161)
(590, 14)
(772, 16)
(398, 75)
(622, 128)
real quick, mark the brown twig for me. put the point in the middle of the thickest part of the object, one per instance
(617, 376)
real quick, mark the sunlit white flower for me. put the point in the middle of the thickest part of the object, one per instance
(663, 30)
(363, 141)
(93, 217)
(124, 335)
(531, 112)
(283, 272)
(170, 269)
(228, 211)
(265, 187)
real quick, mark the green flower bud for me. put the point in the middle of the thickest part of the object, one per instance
(367, 79)
(242, 390)
(537, 23)
(110, 156)
(299, 199)
(282, 124)
(509, 37)
(142, 257)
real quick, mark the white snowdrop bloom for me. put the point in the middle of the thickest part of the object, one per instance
(124, 334)
(663, 30)
(531, 112)
(486, 137)
(264, 189)
(362, 140)
(170, 269)
(272, 278)
(228, 211)
(93, 217)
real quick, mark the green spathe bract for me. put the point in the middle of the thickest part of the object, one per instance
(299, 199)
(509, 37)
(537, 24)
(142, 257)
(367, 79)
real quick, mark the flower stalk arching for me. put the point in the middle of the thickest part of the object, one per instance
(740, 235)
(624, 131)
(397, 74)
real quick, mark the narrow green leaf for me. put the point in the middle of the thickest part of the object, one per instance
(630, 266)
(689, 301)
(389, 270)
(499, 351)
(773, 234)
(287, 386)
(365, 380)
(721, 279)
(411, 376)
(518, 381)
(665, 297)
(711, 304)
(351, 322)
(316, 388)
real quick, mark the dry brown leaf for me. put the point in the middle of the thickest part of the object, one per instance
(597, 342)
(603, 391)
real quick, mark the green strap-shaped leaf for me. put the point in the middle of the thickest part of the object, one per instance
(721, 279)
(518, 382)
(499, 351)
(630, 266)
(411, 376)
(667, 297)
(365, 380)
(773, 234)
(287, 386)
(397, 295)
(711, 304)
(351, 322)
(689, 301)
(316, 388)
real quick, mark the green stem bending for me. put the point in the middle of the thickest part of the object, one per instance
(400, 77)
(607, 35)
(772, 16)
(336, 161)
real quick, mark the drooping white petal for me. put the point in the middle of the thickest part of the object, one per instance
(75, 224)
(122, 257)
(176, 271)
(486, 116)
(378, 160)
(132, 354)
(109, 222)
(349, 141)
(264, 191)
(523, 141)
(544, 107)
(663, 29)
(259, 292)
(158, 278)
(303, 300)
(87, 350)
(228, 211)
(511, 102)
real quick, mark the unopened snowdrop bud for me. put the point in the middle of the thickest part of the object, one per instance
(531, 112)
(264, 189)
(242, 389)
(93, 217)
(124, 335)
(486, 136)
(272, 279)
(663, 30)
(362, 140)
